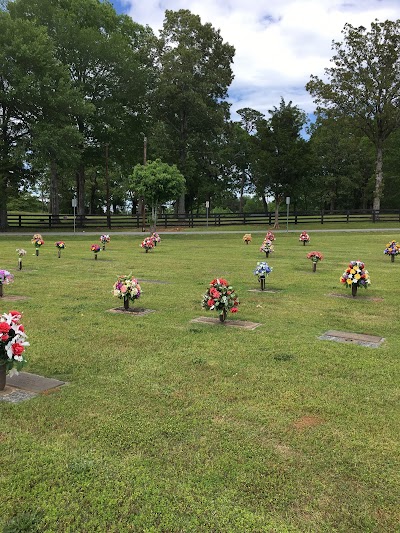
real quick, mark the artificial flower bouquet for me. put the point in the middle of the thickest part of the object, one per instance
(222, 297)
(95, 248)
(267, 247)
(304, 237)
(155, 238)
(104, 239)
(37, 241)
(262, 270)
(12, 344)
(127, 288)
(60, 245)
(147, 244)
(5, 278)
(247, 238)
(355, 276)
(270, 236)
(315, 257)
(21, 252)
(392, 249)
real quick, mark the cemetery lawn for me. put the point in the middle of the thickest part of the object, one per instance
(166, 425)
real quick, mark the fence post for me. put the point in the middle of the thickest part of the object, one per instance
(373, 216)
(165, 220)
(295, 218)
(49, 221)
(20, 220)
(322, 217)
(347, 216)
(269, 218)
(244, 218)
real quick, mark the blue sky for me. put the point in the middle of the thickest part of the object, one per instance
(279, 43)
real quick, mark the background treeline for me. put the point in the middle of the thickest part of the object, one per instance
(86, 94)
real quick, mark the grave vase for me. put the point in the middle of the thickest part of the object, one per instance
(126, 303)
(392, 258)
(37, 252)
(314, 266)
(1, 290)
(267, 254)
(354, 288)
(222, 316)
(2, 376)
(19, 263)
(262, 281)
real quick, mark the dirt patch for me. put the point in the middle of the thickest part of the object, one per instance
(307, 422)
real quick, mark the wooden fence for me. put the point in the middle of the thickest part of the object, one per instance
(134, 222)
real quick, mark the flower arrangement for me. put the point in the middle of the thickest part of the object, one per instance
(355, 276)
(60, 245)
(147, 244)
(95, 248)
(267, 247)
(220, 296)
(262, 270)
(104, 239)
(304, 237)
(247, 238)
(392, 249)
(21, 252)
(270, 236)
(37, 241)
(155, 237)
(12, 345)
(5, 278)
(128, 288)
(315, 257)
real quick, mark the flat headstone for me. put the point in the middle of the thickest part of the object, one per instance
(33, 382)
(13, 395)
(371, 341)
(265, 290)
(11, 298)
(132, 311)
(358, 297)
(152, 281)
(230, 323)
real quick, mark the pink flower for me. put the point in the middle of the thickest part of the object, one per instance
(123, 288)
(17, 348)
(210, 302)
(234, 310)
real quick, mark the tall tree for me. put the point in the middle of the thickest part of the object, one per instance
(364, 84)
(194, 75)
(110, 62)
(282, 160)
(29, 77)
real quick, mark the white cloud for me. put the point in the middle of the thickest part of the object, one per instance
(279, 43)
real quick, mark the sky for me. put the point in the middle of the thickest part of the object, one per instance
(279, 43)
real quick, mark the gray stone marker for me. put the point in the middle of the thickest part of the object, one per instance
(132, 311)
(371, 341)
(230, 323)
(265, 290)
(11, 395)
(33, 382)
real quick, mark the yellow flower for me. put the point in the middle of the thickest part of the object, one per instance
(349, 281)
(357, 276)
(352, 271)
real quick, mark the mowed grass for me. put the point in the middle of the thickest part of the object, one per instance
(172, 426)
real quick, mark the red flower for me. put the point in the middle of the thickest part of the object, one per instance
(210, 302)
(214, 293)
(234, 310)
(4, 327)
(17, 348)
(16, 315)
(4, 338)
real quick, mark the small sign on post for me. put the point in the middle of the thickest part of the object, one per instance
(287, 212)
(74, 205)
(207, 208)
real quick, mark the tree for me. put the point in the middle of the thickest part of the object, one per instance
(364, 84)
(189, 101)
(29, 75)
(158, 183)
(282, 157)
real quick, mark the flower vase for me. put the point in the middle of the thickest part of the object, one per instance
(19, 263)
(104, 247)
(37, 252)
(1, 290)
(126, 303)
(354, 288)
(267, 254)
(304, 243)
(155, 243)
(314, 266)
(222, 316)
(2, 375)
(147, 250)
(95, 257)
(262, 280)
(247, 242)
(392, 258)
(59, 254)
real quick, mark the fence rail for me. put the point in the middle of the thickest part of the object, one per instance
(33, 221)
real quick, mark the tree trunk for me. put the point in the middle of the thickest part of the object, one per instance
(242, 182)
(276, 220)
(80, 187)
(54, 197)
(265, 203)
(378, 178)
(3, 203)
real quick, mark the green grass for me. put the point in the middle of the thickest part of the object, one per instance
(172, 426)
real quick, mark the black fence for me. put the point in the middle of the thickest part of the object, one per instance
(135, 222)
